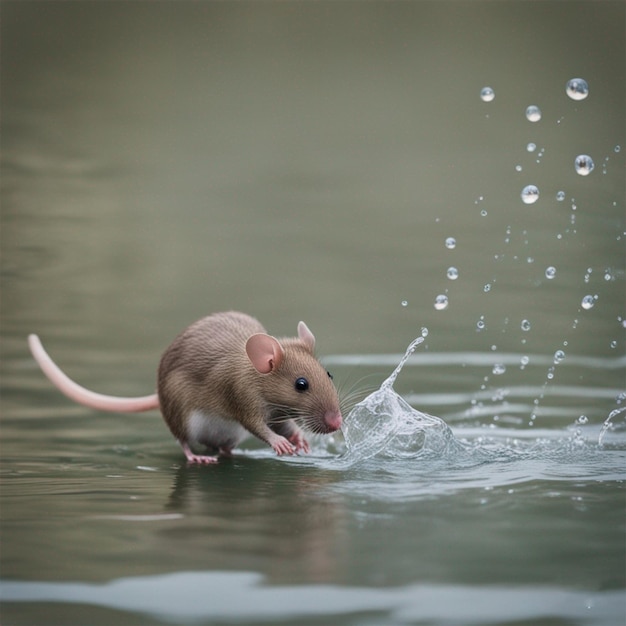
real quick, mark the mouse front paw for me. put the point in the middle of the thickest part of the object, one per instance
(300, 443)
(281, 445)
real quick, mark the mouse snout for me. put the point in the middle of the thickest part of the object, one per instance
(333, 420)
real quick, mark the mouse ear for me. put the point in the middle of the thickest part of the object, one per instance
(264, 352)
(306, 336)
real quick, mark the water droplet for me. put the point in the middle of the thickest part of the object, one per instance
(584, 164)
(608, 276)
(617, 148)
(424, 332)
(559, 355)
(560, 196)
(404, 303)
(487, 287)
(525, 325)
(531, 147)
(441, 302)
(533, 113)
(530, 194)
(452, 273)
(483, 213)
(518, 168)
(583, 419)
(550, 272)
(524, 361)
(480, 324)
(614, 344)
(588, 302)
(487, 94)
(577, 88)
(450, 243)
(498, 369)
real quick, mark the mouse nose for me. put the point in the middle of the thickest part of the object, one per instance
(333, 420)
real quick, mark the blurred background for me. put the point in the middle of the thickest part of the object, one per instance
(165, 160)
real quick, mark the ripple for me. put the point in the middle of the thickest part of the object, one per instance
(181, 597)
(463, 359)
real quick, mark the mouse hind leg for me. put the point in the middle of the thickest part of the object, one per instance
(196, 458)
(213, 432)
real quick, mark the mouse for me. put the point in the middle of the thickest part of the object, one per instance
(223, 379)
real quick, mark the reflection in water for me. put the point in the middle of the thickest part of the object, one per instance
(285, 513)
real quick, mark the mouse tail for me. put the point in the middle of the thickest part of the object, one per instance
(83, 396)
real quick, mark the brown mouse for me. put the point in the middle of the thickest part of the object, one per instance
(223, 378)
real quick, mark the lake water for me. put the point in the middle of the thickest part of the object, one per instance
(165, 160)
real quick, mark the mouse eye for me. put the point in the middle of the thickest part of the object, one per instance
(302, 384)
(330, 375)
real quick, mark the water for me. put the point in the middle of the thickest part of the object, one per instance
(584, 164)
(530, 194)
(441, 302)
(330, 162)
(577, 88)
(385, 425)
(487, 94)
(533, 113)
(588, 302)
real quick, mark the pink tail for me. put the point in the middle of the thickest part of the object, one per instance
(84, 396)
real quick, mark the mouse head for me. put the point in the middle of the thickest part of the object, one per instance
(294, 381)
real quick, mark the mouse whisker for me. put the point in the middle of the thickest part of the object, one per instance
(347, 400)
(282, 413)
(347, 404)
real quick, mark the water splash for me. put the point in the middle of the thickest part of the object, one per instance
(577, 88)
(583, 164)
(452, 273)
(550, 272)
(614, 425)
(441, 302)
(530, 194)
(533, 113)
(588, 302)
(487, 94)
(385, 425)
